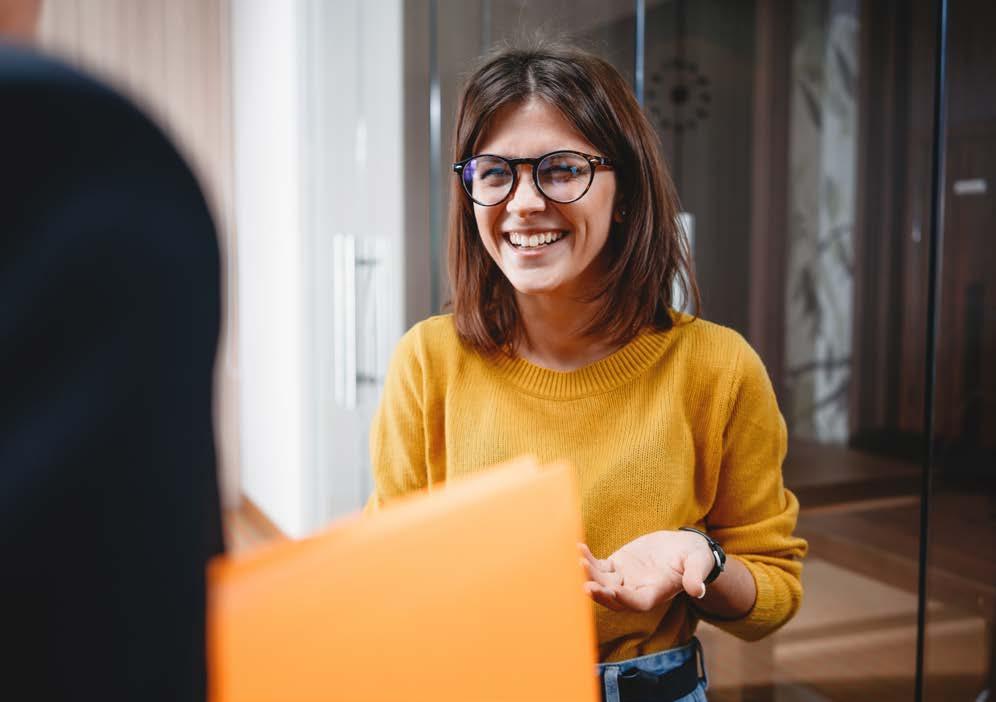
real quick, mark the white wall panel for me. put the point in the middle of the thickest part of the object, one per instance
(319, 155)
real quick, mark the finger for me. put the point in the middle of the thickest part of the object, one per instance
(598, 563)
(601, 577)
(698, 564)
(603, 596)
(599, 594)
(610, 602)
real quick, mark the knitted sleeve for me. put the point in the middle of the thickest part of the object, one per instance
(753, 515)
(397, 434)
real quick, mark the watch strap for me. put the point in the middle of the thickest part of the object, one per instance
(717, 553)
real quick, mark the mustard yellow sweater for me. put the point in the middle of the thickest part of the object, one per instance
(676, 428)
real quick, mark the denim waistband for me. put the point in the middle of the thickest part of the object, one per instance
(659, 662)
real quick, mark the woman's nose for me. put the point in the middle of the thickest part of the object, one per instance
(525, 198)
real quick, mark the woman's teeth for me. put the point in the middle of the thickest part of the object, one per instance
(529, 241)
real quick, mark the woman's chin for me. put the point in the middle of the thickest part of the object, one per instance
(536, 288)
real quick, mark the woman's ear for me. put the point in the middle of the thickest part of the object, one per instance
(618, 208)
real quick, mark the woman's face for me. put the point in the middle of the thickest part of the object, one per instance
(569, 265)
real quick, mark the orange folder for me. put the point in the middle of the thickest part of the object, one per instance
(473, 592)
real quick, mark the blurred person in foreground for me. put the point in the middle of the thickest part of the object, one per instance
(564, 343)
(108, 326)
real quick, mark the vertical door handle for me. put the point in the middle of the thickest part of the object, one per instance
(344, 320)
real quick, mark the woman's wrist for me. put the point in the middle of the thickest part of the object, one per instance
(731, 595)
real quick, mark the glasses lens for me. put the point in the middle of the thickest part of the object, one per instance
(487, 179)
(564, 176)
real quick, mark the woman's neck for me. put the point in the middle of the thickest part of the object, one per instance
(554, 336)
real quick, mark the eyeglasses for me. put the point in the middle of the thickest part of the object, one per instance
(561, 176)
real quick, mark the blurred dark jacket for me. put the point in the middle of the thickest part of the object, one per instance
(109, 314)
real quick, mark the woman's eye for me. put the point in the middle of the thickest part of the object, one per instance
(493, 173)
(561, 172)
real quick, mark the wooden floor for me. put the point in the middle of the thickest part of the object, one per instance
(247, 527)
(853, 639)
(855, 635)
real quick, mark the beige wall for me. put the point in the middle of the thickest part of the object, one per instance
(173, 58)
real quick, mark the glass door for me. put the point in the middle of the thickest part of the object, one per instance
(796, 134)
(960, 580)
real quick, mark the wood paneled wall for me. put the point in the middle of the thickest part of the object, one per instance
(172, 57)
(892, 228)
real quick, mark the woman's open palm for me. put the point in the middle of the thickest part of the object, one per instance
(649, 570)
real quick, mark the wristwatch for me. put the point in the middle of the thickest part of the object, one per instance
(717, 552)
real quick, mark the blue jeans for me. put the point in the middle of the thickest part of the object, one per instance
(660, 662)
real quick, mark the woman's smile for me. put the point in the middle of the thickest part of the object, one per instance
(536, 247)
(527, 240)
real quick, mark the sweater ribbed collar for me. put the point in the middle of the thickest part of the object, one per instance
(616, 369)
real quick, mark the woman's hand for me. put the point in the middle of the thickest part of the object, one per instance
(649, 570)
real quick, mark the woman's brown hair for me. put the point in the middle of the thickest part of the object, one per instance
(648, 251)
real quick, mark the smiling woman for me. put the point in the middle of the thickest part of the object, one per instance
(568, 113)
(564, 255)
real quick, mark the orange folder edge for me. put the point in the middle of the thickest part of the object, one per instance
(243, 589)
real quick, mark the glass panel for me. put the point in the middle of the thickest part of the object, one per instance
(607, 28)
(799, 138)
(699, 70)
(798, 135)
(961, 575)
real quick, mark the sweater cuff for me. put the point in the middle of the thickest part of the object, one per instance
(770, 610)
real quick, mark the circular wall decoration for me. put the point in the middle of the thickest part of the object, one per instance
(678, 97)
